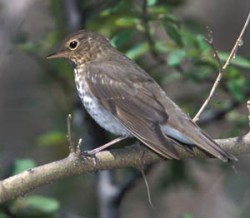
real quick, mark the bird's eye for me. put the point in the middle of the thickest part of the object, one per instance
(73, 44)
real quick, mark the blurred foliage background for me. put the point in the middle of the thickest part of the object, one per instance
(169, 40)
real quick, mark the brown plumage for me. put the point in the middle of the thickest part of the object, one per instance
(125, 100)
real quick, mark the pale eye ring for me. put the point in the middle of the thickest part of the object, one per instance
(73, 44)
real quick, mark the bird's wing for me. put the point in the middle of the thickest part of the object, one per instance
(132, 104)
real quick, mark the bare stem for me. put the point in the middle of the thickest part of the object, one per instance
(69, 134)
(237, 44)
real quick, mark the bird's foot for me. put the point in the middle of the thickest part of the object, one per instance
(90, 155)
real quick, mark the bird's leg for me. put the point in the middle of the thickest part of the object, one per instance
(96, 150)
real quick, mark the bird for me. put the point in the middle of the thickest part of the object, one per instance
(126, 101)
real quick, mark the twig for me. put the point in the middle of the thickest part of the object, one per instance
(148, 190)
(210, 41)
(237, 44)
(130, 182)
(72, 147)
(248, 107)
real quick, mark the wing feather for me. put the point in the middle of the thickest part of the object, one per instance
(140, 113)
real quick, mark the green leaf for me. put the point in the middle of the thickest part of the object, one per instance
(151, 2)
(21, 165)
(232, 73)
(126, 22)
(107, 12)
(28, 46)
(187, 215)
(236, 88)
(52, 138)
(137, 50)
(2, 215)
(201, 43)
(158, 11)
(161, 47)
(175, 58)
(122, 37)
(174, 33)
(34, 205)
(119, 8)
(237, 61)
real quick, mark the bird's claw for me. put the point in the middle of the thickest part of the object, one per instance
(90, 155)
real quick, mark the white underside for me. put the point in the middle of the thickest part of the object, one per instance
(103, 117)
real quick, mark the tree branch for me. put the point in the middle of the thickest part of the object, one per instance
(75, 164)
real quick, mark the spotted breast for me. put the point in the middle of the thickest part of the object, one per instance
(103, 117)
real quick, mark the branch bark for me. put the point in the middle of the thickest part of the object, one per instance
(76, 164)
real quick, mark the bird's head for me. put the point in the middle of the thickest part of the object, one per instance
(81, 47)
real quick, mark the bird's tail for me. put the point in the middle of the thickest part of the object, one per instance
(198, 139)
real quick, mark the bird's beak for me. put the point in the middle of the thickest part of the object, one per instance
(60, 54)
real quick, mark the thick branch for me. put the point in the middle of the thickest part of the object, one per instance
(74, 164)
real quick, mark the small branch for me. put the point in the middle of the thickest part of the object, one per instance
(248, 107)
(130, 182)
(69, 134)
(211, 43)
(73, 148)
(237, 44)
(73, 165)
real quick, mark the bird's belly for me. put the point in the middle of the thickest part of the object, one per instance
(103, 117)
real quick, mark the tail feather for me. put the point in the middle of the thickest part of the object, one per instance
(215, 149)
(198, 139)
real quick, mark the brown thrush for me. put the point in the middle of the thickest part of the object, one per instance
(123, 99)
